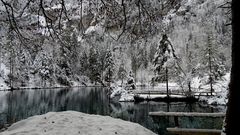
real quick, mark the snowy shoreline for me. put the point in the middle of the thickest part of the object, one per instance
(75, 123)
(219, 96)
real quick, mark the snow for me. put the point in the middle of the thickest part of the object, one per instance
(125, 96)
(74, 123)
(4, 71)
(98, 28)
(42, 21)
(221, 89)
(195, 83)
(3, 85)
(147, 96)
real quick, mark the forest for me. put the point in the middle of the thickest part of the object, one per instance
(46, 43)
(115, 54)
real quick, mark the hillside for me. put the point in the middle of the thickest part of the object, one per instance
(51, 43)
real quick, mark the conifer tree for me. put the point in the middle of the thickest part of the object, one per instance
(164, 60)
(109, 67)
(122, 73)
(94, 64)
(211, 62)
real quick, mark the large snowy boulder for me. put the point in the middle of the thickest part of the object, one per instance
(75, 123)
(125, 96)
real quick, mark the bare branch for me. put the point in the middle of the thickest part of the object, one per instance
(125, 20)
(11, 18)
(27, 5)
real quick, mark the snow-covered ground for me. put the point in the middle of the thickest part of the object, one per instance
(149, 97)
(74, 123)
(221, 89)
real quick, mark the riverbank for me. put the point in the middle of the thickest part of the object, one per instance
(75, 123)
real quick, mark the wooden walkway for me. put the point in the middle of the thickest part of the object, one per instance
(187, 131)
(175, 92)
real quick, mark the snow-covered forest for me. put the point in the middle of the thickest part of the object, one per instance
(136, 60)
(52, 43)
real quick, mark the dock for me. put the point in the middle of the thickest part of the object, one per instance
(172, 96)
(189, 131)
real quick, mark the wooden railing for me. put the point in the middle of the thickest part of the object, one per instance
(175, 92)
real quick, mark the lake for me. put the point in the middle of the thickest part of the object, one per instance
(21, 104)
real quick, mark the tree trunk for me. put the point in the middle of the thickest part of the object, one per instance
(189, 88)
(210, 70)
(11, 70)
(233, 110)
(167, 82)
(122, 82)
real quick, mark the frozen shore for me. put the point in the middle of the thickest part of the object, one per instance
(75, 123)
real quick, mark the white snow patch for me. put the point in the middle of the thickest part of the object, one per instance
(149, 96)
(97, 28)
(4, 72)
(195, 83)
(221, 89)
(3, 85)
(125, 95)
(75, 123)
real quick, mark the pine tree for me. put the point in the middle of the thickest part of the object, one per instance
(23, 68)
(164, 60)
(94, 65)
(109, 67)
(122, 73)
(211, 62)
(84, 62)
(131, 81)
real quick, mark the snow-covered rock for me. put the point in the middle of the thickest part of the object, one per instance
(124, 94)
(75, 123)
(126, 97)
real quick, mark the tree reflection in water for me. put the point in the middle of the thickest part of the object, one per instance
(21, 104)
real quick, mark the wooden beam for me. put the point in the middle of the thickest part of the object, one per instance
(187, 114)
(187, 131)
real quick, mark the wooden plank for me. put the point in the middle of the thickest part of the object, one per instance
(187, 131)
(172, 92)
(187, 114)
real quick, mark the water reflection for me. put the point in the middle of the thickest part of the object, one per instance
(18, 105)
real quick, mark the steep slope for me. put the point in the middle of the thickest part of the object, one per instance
(66, 43)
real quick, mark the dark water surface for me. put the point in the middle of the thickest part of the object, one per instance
(21, 104)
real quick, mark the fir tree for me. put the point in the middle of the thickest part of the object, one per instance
(84, 62)
(122, 73)
(94, 64)
(164, 60)
(211, 62)
(109, 67)
(131, 82)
